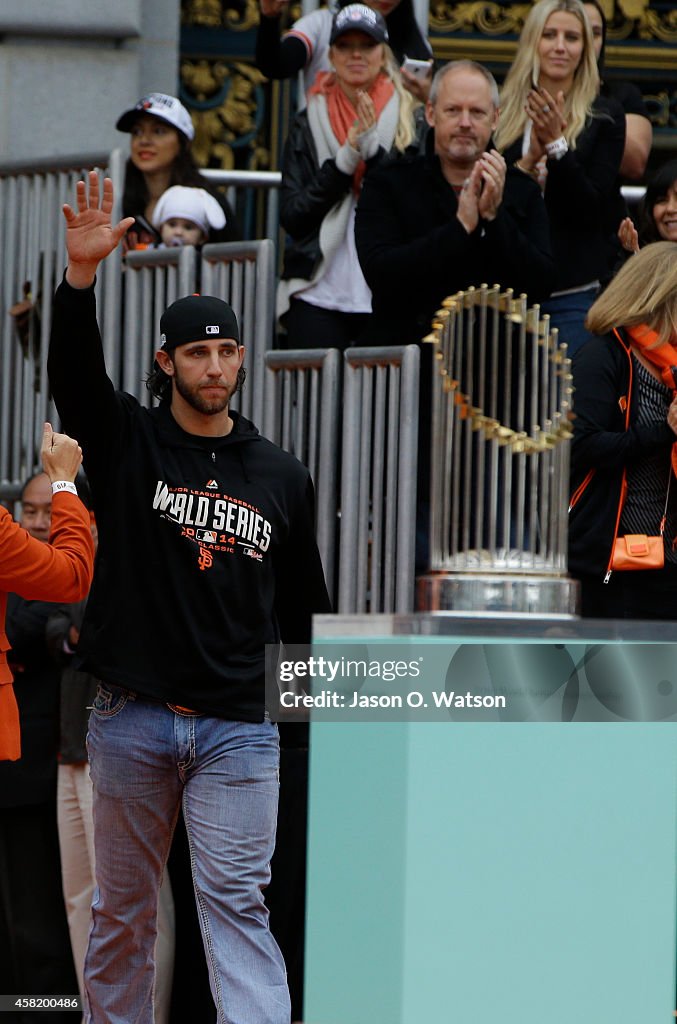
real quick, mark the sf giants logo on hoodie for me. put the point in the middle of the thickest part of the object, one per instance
(214, 522)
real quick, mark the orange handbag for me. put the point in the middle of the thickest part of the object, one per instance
(636, 550)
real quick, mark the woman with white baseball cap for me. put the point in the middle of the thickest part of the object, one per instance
(161, 132)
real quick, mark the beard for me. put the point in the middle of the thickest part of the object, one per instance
(207, 405)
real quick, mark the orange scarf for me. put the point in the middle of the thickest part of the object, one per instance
(661, 355)
(342, 114)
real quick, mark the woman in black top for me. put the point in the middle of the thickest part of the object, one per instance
(555, 127)
(638, 132)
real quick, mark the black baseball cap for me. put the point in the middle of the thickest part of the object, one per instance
(196, 318)
(359, 18)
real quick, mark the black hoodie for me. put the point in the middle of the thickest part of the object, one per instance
(206, 545)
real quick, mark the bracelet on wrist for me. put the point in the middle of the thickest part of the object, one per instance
(533, 173)
(63, 485)
(557, 149)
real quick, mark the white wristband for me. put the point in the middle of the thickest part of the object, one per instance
(557, 149)
(63, 485)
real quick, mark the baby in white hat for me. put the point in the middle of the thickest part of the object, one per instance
(185, 216)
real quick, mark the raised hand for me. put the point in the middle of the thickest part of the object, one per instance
(90, 236)
(468, 201)
(547, 115)
(61, 455)
(418, 87)
(366, 119)
(627, 234)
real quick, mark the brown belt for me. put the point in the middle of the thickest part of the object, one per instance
(180, 710)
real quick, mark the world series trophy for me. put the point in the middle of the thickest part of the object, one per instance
(499, 460)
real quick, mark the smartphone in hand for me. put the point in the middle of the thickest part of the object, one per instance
(420, 68)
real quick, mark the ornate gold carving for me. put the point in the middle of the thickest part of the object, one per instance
(232, 118)
(490, 18)
(203, 78)
(663, 27)
(217, 14)
(659, 105)
(242, 22)
(627, 18)
(203, 13)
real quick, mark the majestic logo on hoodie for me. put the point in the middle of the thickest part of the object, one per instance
(214, 522)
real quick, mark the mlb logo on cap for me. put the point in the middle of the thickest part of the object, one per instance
(196, 317)
(360, 18)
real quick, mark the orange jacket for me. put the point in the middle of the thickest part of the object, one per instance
(58, 571)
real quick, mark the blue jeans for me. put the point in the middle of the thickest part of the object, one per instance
(568, 313)
(145, 759)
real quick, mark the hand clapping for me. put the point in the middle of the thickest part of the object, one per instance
(366, 119)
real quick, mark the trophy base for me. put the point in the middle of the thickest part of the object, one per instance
(491, 594)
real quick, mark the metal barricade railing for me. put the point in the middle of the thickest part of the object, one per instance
(302, 415)
(243, 273)
(32, 229)
(502, 390)
(378, 479)
(255, 196)
(153, 278)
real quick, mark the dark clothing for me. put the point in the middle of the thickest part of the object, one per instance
(231, 230)
(603, 448)
(650, 594)
(630, 99)
(582, 197)
(628, 96)
(78, 689)
(307, 194)
(206, 544)
(32, 779)
(414, 251)
(36, 957)
(311, 326)
(650, 494)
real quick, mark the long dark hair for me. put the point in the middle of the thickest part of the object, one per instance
(600, 59)
(657, 188)
(184, 171)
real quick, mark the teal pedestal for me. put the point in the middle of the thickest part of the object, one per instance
(498, 873)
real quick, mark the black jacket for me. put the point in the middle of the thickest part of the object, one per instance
(582, 197)
(603, 448)
(78, 689)
(32, 779)
(307, 194)
(414, 252)
(206, 545)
